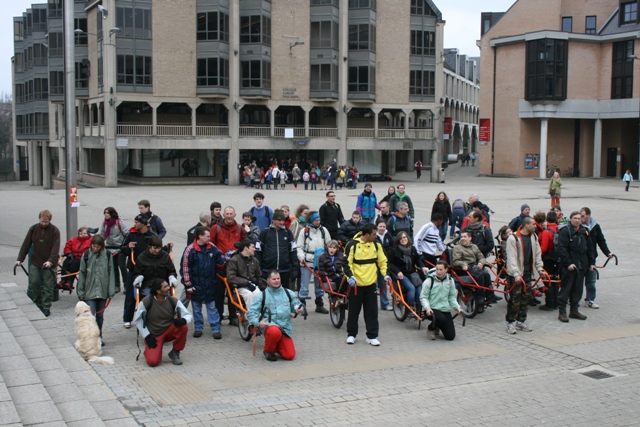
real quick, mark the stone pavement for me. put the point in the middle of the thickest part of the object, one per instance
(483, 377)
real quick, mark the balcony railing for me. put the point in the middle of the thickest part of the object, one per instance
(420, 134)
(323, 132)
(360, 133)
(174, 130)
(134, 130)
(212, 130)
(248, 131)
(391, 133)
(297, 132)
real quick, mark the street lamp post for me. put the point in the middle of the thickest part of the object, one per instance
(70, 117)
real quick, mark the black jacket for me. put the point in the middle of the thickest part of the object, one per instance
(277, 250)
(328, 268)
(142, 242)
(482, 238)
(443, 208)
(348, 229)
(331, 218)
(598, 241)
(574, 247)
(154, 266)
(397, 264)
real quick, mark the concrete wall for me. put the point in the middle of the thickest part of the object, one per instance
(392, 44)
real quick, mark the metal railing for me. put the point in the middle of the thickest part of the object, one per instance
(248, 131)
(174, 130)
(134, 130)
(323, 132)
(360, 133)
(212, 130)
(297, 132)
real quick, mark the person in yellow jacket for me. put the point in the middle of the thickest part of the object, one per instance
(365, 257)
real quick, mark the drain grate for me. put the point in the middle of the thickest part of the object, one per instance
(597, 374)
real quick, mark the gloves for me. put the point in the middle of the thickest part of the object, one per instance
(387, 278)
(173, 281)
(251, 287)
(352, 281)
(138, 281)
(179, 321)
(70, 256)
(151, 341)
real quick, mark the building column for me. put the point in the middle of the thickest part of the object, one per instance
(154, 117)
(46, 166)
(272, 120)
(99, 112)
(193, 107)
(233, 104)
(306, 109)
(376, 116)
(597, 148)
(406, 122)
(35, 169)
(542, 162)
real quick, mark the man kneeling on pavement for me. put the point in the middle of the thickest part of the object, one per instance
(162, 318)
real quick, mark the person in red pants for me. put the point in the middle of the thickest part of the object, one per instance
(277, 325)
(162, 318)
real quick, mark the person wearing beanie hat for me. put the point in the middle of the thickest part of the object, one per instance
(311, 242)
(517, 221)
(276, 249)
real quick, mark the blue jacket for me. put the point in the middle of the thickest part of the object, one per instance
(198, 270)
(366, 205)
(281, 309)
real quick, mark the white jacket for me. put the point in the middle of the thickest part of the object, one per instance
(309, 242)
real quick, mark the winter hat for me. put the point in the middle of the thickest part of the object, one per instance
(142, 219)
(523, 207)
(278, 215)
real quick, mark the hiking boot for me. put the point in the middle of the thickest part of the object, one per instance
(511, 328)
(431, 335)
(320, 309)
(174, 355)
(523, 326)
(233, 322)
(217, 336)
(545, 308)
(575, 314)
(197, 334)
(46, 312)
(271, 357)
(563, 317)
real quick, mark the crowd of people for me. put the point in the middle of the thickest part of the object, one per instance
(271, 256)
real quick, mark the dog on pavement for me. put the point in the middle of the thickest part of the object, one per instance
(89, 344)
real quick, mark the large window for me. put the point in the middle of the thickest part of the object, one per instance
(213, 72)
(40, 89)
(255, 74)
(18, 30)
(567, 24)
(134, 22)
(422, 83)
(55, 8)
(423, 43)
(590, 25)
(213, 26)
(362, 79)
(421, 8)
(18, 62)
(323, 2)
(80, 24)
(40, 56)
(628, 13)
(546, 70)
(56, 82)
(134, 70)
(362, 4)
(324, 77)
(324, 34)
(56, 45)
(255, 29)
(40, 20)
(622, 72)
(362, 37)
(82, 74)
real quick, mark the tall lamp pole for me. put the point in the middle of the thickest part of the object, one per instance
(70, 117)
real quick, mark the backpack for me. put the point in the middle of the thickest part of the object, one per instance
(395, 218)
(318, 251)
(264, 297)
(323, 175)
(342, 174)
(266, 209)
(314, 175)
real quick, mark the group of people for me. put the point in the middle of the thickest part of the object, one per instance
(270, 255)
(273, 175)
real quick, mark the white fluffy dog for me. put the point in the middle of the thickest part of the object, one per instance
(88, 344)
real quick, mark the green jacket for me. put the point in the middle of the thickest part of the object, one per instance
(439, 294)
(96, 279)
(555, 185)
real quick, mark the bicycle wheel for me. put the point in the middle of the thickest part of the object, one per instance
(337, 315)
(399, 309)
(244, 329)
(470, 308)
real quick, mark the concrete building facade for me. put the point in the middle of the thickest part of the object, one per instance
(559, 88)
(189, 90)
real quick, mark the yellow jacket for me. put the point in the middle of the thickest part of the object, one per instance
(364, 260)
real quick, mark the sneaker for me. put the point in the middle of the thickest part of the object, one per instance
(197, 334)
(46, 312)
(320, 309)
(271, 357)
(351, 340)
(431, 335)
(174, 355)
(217, 335)
(388, 308)
(127, 325)
(511, 328)
(591, 304)
(373, 341)
(523, 326)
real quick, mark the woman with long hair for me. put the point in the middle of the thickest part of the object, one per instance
(442, 206)
(403, 260)
(390, 192)
(114, 231)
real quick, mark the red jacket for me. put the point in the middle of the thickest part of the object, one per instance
(77, 246)
(224, 235)
(546, 239)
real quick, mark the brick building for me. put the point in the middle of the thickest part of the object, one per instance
(189, 90)
(558, 85)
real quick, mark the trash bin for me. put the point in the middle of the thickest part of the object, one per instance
(441, 175)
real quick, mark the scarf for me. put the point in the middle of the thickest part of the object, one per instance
(107, 226)
(406, 256)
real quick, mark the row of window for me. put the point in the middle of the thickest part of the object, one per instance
(589, 24)
(32, 124)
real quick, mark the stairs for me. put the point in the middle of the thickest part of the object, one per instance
(43, 380)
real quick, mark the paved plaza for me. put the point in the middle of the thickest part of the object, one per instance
(484, 377)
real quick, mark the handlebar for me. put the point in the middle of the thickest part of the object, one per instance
(305, 313)
(607, 261)
(15, 268)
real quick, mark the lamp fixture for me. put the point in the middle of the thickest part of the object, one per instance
(292, 45)
(236, 106)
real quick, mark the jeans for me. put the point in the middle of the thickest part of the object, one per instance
(364, 221)
(456, 221)
(97, 305)
(410, 291)
(384, 296)
(443, 230)
(212, 315)
(590, 284)
(313, 185)
(129, 298)
(303, 293)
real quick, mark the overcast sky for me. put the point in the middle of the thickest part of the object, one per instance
(461, 31)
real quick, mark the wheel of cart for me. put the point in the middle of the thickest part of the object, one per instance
(338, 297)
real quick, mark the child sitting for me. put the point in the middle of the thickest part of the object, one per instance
(330, 265)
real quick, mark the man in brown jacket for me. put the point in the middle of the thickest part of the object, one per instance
(243, 271)
(45, 239)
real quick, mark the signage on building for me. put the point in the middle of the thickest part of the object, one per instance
(485, 130)
(122, 142)
(448, 125)
(290, 93)
(531, 161)
(288, 132)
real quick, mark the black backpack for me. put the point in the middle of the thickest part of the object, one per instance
(266, 208)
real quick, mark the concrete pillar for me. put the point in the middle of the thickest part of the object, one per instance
(193, 107)
(542, 163)
(406, 122)
(154, 119)
(35, 165)
(46, 166)
(597, 148)
(99, 123)
(272, 120)
(343, 70)
(376, 116)
(306, 109)
(234, 84)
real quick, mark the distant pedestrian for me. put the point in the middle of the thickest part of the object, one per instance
(473, 159)
(627, 178)
(418, 166)
(554, 189)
